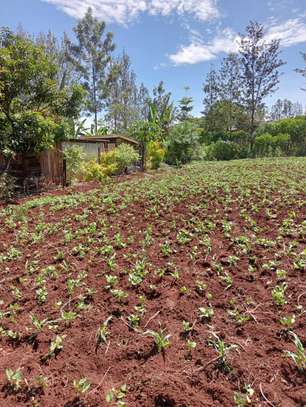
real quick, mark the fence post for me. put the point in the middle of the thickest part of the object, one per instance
(64, 173)
(99, 155)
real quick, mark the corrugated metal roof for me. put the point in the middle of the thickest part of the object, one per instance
(94, 139)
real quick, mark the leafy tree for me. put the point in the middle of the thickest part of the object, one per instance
(285, 108)
(185, 107)
(302, 71)
(225, 116)
(211, 89)
(91, 57)
(34, 113)
(58, 51)
(182, 142)
(162, 109)
(143, 101)
(122, 95)
(260, 65)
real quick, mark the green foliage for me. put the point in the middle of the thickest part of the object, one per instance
(182, 142)
(162, 340)
(156, 154)
(7, 187)
(289, 134)
(224, 150)
(81, 386)
(14, 377)
(34, 112)
(74, 156)
(93, 171)
(299, 356)
(117, 160)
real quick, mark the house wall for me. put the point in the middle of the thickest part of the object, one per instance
(51, 164)
(91, 150)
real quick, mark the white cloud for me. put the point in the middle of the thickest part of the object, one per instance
(123, 11)
(225, 41)
(290, 32)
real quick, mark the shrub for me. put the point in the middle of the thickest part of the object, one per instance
(268, 145)
(156, 154)
(74, 156)
(225, 150)
(7, 187)
(93, 171)
(293, 128)
(117, 160)
(113, 162)
(182, 143)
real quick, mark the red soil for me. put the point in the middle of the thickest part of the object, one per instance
(175, 379)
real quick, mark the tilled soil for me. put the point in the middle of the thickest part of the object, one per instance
(218, 236)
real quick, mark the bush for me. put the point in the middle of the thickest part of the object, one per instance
(225, 150)
(74, 156)
(7, 187)
(293, 128)
(182, 143)
(155, 154)
(116, 161)
(267, 145)
(93, 171)
(113, 162)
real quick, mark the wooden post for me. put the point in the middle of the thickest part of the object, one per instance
(99, 155)
(64, 173)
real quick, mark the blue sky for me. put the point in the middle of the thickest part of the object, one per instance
(176, 40)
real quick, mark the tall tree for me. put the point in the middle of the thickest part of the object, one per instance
(121, 95)
(260, 63)
(58, 51)
(211, 89)
(143, 102)
(185, 107)
(302, 71)
(283, 109)
(162, 108)
(91, 57)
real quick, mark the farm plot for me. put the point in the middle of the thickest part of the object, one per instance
(182, 289)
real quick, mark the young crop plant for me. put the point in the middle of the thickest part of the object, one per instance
(278, 294)
(238, 317)
(183, 237)
(103, 332)
(118, 241)
(120, 295)
(55, 347)
(111, 281)
(287, 322)
(299, 356)
(81, 386)
(200, 287)
(117, 396)
(223, 349)
(14, 378)
(206, 313)
(190, 345)
(183, 290)
(243, 399)
(161, 339)
(68, 316)
(187, 327)
(134, 320)
(41, 295)
(166, 249)
(281, 274)
(227, 279)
